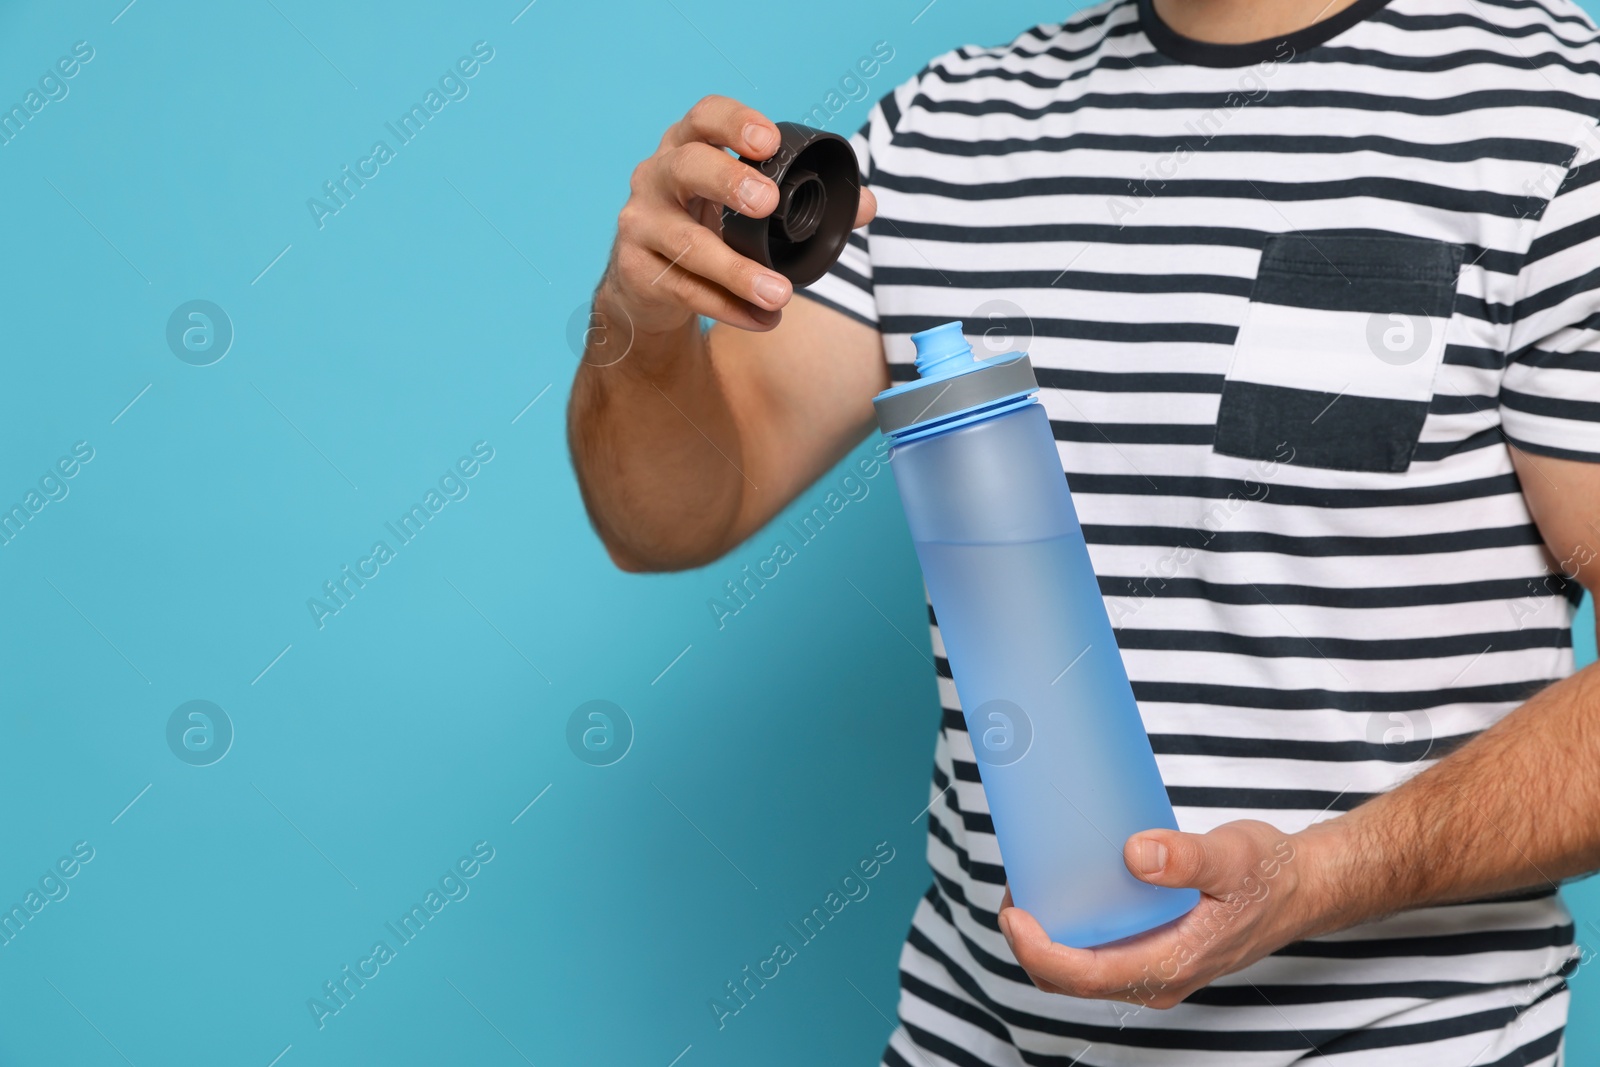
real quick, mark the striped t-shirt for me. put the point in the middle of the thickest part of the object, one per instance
(1289, 304)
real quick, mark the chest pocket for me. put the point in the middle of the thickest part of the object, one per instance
(1338, 350)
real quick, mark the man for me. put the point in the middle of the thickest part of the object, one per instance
(1311, 293)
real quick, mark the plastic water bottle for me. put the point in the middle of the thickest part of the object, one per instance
(1063, 755)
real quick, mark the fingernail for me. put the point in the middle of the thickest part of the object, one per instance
(1005, 925)
(752, 192)
(1152, 856)
(759, 137)
(769, 288)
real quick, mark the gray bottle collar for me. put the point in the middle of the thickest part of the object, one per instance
(924, 401)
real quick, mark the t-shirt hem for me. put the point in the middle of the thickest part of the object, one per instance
(1553, 451)
(843, 310)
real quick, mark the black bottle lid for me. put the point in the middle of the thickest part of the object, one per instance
(819, 190)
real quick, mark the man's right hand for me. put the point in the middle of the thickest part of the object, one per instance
(669, 262)
(689, 441)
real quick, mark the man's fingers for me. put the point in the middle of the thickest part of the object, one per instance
(670, 257)
(1053, 968)
(726, 123)
(1220, 864)
(1020, 929)
(698, 170)
(693, 249)
(865, 213)
(705, 297)
(1118, 972)
(1170, 858)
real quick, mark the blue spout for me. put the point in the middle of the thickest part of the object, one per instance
(942, 351)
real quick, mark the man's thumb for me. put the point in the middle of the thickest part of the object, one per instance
(1173, 859)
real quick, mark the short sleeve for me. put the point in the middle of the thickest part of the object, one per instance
(1550, 395)
(847, 287)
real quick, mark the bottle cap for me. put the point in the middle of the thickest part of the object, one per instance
(819, 189)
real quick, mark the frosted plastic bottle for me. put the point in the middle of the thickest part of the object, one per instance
(1063, 755)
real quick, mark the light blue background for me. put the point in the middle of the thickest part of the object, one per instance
(769, 756)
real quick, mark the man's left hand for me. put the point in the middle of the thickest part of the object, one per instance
(1256, 897)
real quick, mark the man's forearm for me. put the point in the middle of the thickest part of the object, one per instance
(654, 443)
(1517, 806)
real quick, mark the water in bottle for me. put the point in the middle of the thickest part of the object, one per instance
(1062, 753)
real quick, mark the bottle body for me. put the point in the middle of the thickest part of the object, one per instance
(1061, 750)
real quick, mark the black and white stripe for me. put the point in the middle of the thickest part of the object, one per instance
(1288, 305)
